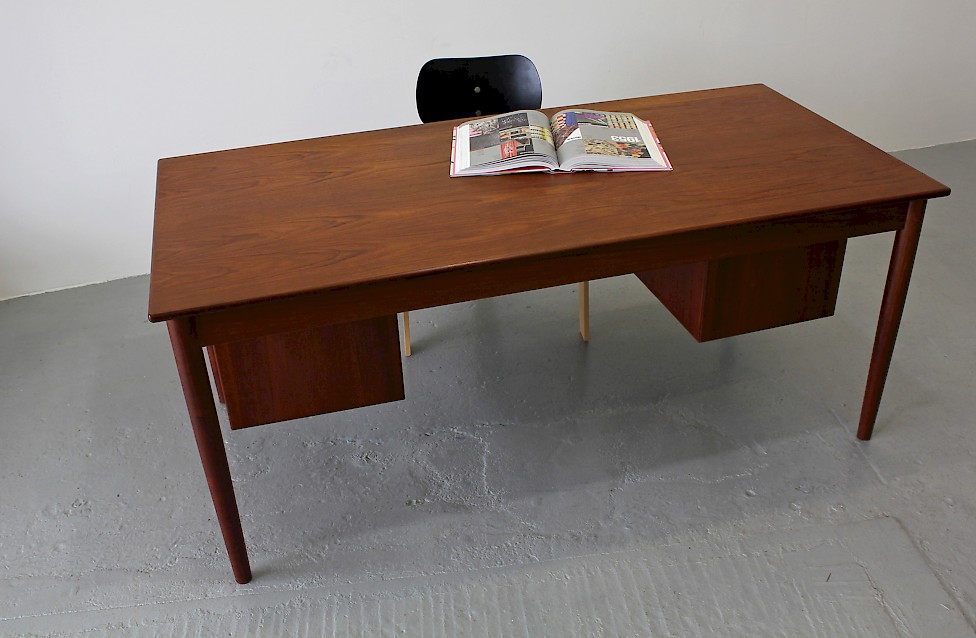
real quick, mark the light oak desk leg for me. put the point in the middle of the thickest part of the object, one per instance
(892, 305)
(206, 429)
(406, 334)
(584, 309)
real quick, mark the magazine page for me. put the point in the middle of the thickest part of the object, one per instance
(515, 141)
(600, 140)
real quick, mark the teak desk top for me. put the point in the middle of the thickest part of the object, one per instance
(244, 226)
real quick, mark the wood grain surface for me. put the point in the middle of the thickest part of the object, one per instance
(252, 225)
(732, 296)
(306, 372)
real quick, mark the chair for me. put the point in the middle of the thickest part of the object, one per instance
(451, 88)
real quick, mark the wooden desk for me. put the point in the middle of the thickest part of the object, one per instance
(267, 254)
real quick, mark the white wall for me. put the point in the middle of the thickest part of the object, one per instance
(92, 93)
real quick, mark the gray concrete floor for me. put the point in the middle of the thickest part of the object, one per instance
(519, 453)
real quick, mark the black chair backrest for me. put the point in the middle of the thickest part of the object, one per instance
(449, 88)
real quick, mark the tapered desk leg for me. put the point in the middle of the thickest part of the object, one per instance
(206, 429)
(892, 305)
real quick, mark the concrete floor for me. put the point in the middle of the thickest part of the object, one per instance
(642, 484)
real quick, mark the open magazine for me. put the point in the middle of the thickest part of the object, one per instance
(572, 140)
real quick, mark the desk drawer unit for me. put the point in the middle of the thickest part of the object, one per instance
(735, 295)
(307, 372)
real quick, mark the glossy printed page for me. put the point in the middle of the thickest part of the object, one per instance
(604, 140)
(520, 139)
